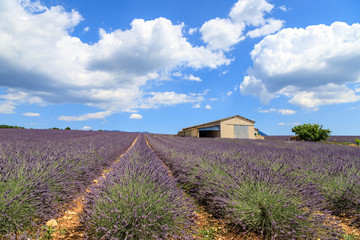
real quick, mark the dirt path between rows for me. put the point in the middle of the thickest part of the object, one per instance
(68, 226)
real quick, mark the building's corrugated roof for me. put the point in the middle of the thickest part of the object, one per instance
(217, 122)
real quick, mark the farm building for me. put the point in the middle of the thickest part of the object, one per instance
(231, 127)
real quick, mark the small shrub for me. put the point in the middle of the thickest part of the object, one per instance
(357, 141)
(269, 211)
(311, 132)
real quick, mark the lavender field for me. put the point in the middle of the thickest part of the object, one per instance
(278, 189)
(271, 188)
(138, 200)
(331, 139)
(42, 171)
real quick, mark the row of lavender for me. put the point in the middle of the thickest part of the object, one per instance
(42, 171)
(277, 189)
(137, 200)
(334, 139)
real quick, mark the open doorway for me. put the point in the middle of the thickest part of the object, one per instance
(209, 132)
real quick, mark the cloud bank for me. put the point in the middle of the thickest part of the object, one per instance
(40, 58)
(314, 66)
(246, 15)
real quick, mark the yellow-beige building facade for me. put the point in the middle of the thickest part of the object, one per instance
(232, 127)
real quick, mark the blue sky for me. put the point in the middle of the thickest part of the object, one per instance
(160, 66)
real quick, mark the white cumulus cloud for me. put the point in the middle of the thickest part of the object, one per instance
(193, 78)
(84, 117)
(135, 116)
(311, 66)
(192, 31)
(208, 107)
(250, 12)
(281, 111)
(12, 98)
(286, 111)
(357, 89)
(289, 124)
(223, 33)
(31, 114)
(196, 105)
(7, 107)
(283, 8)
(40, 58)
(271, 26)
(156, 99)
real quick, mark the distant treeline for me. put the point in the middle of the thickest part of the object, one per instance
(9, 126)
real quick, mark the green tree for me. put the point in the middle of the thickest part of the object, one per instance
(10, 126)
(67, 128)
(311, 132)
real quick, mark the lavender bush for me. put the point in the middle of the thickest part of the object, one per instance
(275, 188)
(137, 200)
(42, 171)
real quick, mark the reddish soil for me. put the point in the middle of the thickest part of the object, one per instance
(345, 224)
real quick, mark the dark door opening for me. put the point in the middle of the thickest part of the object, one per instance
(209, 134)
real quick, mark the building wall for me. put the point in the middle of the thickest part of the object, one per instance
(181, 134)
(227, 127)
(258, 136)
(194, 132)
